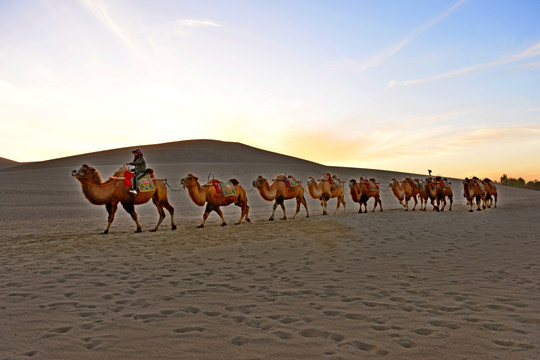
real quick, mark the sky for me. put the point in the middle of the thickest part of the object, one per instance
(449, 85)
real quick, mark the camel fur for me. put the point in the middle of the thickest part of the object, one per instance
(207, 194)
(435, 191)
(361, 192)
(472, 190)
(405, 190)
(491, 192)
(325, 189)
(114, 191)
(278, 192)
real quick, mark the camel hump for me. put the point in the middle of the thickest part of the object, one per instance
(234, 181)
(150, 171)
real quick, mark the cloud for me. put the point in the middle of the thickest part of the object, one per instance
(197, 23)
(380, 58)
(532, 51)
(98, 8)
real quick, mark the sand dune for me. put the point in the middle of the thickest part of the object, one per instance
(393, 285)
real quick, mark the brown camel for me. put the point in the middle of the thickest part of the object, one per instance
(281, 189)
(114, 191)
(214, 198)
(474, 189)
(422, 195)
(328, 187)
(491, 192)
(405, 190)
(448, 193)
(363, 190)
(435, 191)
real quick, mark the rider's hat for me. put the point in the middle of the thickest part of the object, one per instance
(137, 152)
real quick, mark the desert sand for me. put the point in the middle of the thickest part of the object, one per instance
(390, 285)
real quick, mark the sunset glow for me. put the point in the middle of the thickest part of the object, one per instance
(453, 86)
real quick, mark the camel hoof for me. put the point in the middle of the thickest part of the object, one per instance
(283, 218)
(173, 227)
(471, 210)
(200, 226)
(105, 232)
(225, 224)
(138, 231)
(153, 230)
(248, 220)
(271, 219)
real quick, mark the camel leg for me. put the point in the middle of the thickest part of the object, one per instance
(380, 203)
(111, 210)
(209, 208)
(324, 205)
(406, 201)
(451, 202)
(273, 211)
(217, 209)
(304, 202)
(444, 203)
(281, 202)
(161, 213)
(170, 209)
(298, 202)
(495, 201)
(130, 208)
(244, 212)
(415, 203)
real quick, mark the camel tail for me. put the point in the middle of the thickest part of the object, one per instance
(234, 181)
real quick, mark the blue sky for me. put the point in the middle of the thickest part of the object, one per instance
(399, 85)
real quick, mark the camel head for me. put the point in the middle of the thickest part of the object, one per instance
(352, 183)
(393, 182)
(87, 173)
(189, 180)
(310, 180)
(259, 181)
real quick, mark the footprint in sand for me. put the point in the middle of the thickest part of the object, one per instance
(513, 345)
(185, 330)
(366, 347)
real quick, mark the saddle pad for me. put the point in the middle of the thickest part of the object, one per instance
(291, 182)
(480, 185)
(373, 186)
(225, 188)
(145, 184)
(336, 182)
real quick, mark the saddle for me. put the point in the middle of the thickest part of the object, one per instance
(224, 188)
(371, 184)
(145, 183)
(335, 182)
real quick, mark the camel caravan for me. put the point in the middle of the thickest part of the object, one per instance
(119, 189)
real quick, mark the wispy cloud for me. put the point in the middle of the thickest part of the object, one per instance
(380, 58)
(197, 23)
(524, 55)
(98, 8)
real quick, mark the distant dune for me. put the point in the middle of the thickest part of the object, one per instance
(6, 163)
(189, 151)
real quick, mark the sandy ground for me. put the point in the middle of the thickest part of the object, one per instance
(392, 284)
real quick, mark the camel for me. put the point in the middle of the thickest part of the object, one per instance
(405, 190)
(491, 192)
(474, 189)
(363, 190)
(435, 192)
(115, 190)
(281, 190)
(328, 187)
(209, 195)
(422, 195)
(448, 193)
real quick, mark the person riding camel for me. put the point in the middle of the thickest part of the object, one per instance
(139, 169)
